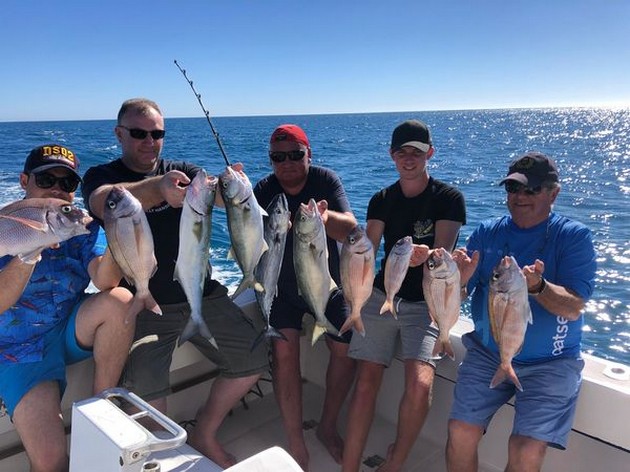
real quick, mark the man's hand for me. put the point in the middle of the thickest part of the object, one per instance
(173, 188)
(466, 264)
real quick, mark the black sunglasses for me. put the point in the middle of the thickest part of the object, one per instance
(515, 187)
(281, 156)
(137, 133)
(67, 183)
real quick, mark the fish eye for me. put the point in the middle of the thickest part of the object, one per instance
(431, 264)
(495, 276)
(66, 209)
(111, 204)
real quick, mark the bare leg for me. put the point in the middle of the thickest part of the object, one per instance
(287, 386)
(37, 419)
(361, 413)
(413, 410)
(461, 447)
(224, 394)
(101, 324)
(339, 379)
(525, 454)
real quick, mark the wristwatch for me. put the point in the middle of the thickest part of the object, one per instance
(541, 288)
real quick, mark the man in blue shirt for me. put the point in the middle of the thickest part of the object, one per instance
(557, 258)
(48, 322)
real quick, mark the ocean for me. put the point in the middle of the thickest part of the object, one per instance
(472, 151)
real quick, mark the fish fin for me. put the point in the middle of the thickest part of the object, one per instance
(503, 374)
(332, 286)
(443, 347)
(387, 306)
(230, 254)
(359, 327)
(188, 332)
(347, 325)
(318, 330)
(258, 287)
(274, 333)
(151, 305)
(36, 225)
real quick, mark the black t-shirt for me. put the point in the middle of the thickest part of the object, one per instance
(163, 220)
(414, 217)
(321, 184)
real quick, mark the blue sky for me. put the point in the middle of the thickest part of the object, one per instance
(65, 60)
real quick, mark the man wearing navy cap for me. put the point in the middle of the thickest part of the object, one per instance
(557, 258)
(48, 322)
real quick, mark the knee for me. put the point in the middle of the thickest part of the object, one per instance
(460, 433)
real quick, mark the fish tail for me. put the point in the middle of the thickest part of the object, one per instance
(189, 331)
(347, 325)
(274, 333)
(359, 327)
(387, 306)
(318, 330)
(503, 373)
(443, 346)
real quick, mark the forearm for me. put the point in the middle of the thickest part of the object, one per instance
(104, 271)
(13, 280)
(147, 191)
(558, 300)
(339, 225)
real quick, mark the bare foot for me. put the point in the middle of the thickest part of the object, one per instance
(389, 465)
(213, 451)
(333, 443)
(300, 454)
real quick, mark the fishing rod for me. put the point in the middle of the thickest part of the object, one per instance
(207, 113)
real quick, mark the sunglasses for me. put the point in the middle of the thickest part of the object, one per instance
(137, 133)
(281, 156)
(515, 187)
(67, 183)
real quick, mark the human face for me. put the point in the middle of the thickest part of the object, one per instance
(530, 207)
(410, 162)
(140, 155)
(291, 174)
(29, 184)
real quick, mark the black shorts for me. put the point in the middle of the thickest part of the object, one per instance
(287, 312)
(147, 370)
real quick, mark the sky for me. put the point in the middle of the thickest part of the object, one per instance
(80, 59)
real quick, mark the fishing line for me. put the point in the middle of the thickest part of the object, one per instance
(206, 112)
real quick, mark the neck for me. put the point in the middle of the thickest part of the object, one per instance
(414, 187)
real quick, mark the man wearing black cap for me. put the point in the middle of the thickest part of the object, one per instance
(47, 321)
(432, 213)
(557, 258)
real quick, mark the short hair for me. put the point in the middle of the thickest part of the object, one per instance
(141, 106)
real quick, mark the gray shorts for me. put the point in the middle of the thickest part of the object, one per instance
(412, 332)
(147, 370)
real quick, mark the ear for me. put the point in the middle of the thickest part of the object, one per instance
(23, 180)
(430, 152)
(118, 133)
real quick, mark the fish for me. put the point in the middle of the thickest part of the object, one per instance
(193, 266)
(510, 313)
(442, 292)
(245, 225)
(396, 268)
(357, 276)
(268, 268)
(310, 260)
(130, 241)
(28, 225)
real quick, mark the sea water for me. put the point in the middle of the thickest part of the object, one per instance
(472, 151)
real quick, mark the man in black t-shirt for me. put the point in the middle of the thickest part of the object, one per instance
(431, 212)
(293, 175)
(160, 185)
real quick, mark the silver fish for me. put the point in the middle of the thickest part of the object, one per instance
(396, 268)
(310, 260)
(34, 223)
(441, 287)
(268, 268)
(245, 224)
(357, 276)
(192, 265)
(509, 311)
(131, 243)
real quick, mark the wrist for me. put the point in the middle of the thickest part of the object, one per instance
(539, 289)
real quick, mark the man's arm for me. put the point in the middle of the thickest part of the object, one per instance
(104, 271)
(170, 188)
(13, 279)
(338, 225)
